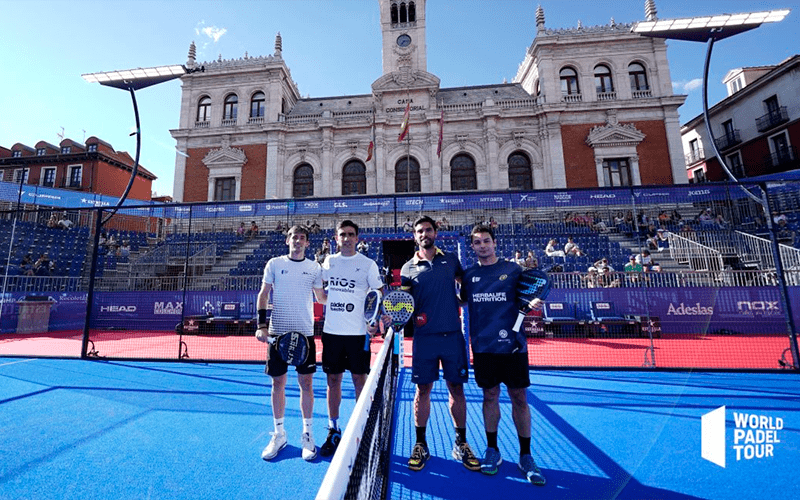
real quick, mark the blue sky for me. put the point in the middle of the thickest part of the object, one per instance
(332, 47)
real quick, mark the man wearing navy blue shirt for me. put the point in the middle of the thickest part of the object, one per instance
(431, 277)
(499, 354)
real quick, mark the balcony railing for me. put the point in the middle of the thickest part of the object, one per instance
(229, 122)
(641, 94)
(606, 96)
(572, 98)
(202, 124)
(772, 119)
(695, 156)
(781, 157)
(255, 120)
(728, 140)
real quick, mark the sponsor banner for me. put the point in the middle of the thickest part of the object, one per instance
(164, 310)
(692, 310)
(54, 197)
(67, 310)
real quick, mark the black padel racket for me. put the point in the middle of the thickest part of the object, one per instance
(293, 347)
(399, 305)
(372, 312)
(532, 284)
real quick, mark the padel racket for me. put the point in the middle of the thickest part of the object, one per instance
(293, 347)
(532, 284)
(399, 305)
(372, 312)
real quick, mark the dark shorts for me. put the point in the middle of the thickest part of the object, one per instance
(276, 366)
(449, 349)
(344, 352)
(493, 369)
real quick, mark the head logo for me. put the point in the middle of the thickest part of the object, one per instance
(754, 436)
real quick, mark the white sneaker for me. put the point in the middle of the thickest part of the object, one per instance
(309, 448)
(276, 444)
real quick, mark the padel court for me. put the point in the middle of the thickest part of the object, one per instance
(79, 429)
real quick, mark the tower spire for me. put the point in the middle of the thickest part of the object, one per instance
(278, 45)
(650, 11)
(539, 19)
(191, 62)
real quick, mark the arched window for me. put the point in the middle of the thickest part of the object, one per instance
(462, 173)
(403, 13)
(638, 77)
(231, 106)
(257, 105)
(519, 172)
(354, 178)
(204, 109)
(303, 184)
(602, 79)
(406, 176)
(394, 13)
(412, 12)
(569, 81)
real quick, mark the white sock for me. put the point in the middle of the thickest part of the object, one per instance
(333, 423)
(279, 425)
(308, 426)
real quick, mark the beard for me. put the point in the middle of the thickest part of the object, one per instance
(426, 243)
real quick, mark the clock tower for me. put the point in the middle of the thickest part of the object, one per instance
(403, 29)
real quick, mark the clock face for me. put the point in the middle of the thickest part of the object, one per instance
(403, 40)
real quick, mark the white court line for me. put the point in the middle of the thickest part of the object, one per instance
(15, 362)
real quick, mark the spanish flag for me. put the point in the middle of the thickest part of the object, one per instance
(404, 125)
(371, 147)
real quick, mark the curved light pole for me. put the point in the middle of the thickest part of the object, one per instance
(710, 29)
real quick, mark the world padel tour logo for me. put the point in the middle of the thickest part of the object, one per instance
(754, 436)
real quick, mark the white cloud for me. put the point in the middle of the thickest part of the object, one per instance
(687, 87)
(211, 32)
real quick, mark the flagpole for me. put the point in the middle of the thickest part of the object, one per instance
(408, 142)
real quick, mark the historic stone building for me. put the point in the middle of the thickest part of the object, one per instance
(590, 106)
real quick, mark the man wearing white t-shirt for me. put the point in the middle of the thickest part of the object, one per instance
(291, 279)
(349, 276)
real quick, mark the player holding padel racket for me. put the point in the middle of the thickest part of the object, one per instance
(431, 276)
(499, 353)
(291, 279)
(348, 275)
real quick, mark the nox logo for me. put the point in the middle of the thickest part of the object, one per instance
(758, 307)
(754, 436)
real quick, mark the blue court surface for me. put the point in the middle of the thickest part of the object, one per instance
(75, 429)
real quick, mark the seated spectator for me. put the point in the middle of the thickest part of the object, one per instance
(26, 266)
(528, 223)
(124, 250)
(314, 227)
(572, 248)
(634, 269)
(323, 252)
(676, 217)
(642, 219)
(408, 226)
(42, 266)
(444, 224)
(720, 221)
(253, 231)
(602, 264)
(619, 219)
(784, 234)
(241, 230)
(597, 223)
(664, 218)
(519, 259)
(492, 223)
(591, 278)
(629, 218)
(52, 222)
(607, 279)
(363, 247)
(647, 263)
(550, 249)
(64, 222)
(531, 262)
(279, 227)
(780, 217)
(655, 237)
(706, 218)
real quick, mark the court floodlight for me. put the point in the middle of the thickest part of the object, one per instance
(701, 29)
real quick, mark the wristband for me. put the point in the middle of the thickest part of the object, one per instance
(262, 318)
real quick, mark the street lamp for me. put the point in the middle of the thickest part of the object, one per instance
(710, 29)
(133, 80)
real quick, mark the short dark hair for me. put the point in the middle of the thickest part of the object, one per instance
(424, 219)
(347, 223)
(481, 228)
(299, 228)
